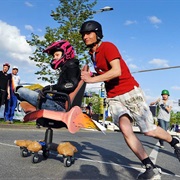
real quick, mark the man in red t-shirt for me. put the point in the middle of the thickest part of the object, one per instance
(124, 96)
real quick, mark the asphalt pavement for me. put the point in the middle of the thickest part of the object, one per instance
(99, 156)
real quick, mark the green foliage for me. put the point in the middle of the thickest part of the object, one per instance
(175, 118)
(95, 101)
(69, 16)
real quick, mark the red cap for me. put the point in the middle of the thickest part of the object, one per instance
(6, 64)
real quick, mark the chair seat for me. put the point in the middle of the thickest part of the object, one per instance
(73, 119)
(57, 119)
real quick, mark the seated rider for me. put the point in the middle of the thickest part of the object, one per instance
(69, 76)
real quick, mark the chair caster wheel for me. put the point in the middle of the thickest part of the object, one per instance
(23, 152)
(35, 158)
(67, 161)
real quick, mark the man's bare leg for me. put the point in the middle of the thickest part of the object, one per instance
(132, 141)
(160, 133)
(136, 146)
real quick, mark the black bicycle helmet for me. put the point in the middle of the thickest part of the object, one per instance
(92, 26)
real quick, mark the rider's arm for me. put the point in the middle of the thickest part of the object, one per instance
(69, 79)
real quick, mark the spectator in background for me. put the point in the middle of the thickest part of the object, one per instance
(14, 81)
(165, 106)
(172, 127)
(89, 110)
(84, 109)
(176, 127)
(4, 87)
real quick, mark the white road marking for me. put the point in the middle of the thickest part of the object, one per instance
(153, 154)
(4, 144)
(115, 164)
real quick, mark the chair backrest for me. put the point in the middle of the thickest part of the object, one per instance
(77, 95)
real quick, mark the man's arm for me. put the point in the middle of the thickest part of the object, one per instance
(156, 102)
(114, 72)
(168, 108)
(69, 80)
(8, 90)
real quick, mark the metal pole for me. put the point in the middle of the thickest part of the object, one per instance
(156, 69)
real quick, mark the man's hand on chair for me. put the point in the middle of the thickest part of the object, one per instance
(46, 88)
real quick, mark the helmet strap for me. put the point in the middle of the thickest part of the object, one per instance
(94, 44)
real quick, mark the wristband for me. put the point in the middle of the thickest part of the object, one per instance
(91, 74)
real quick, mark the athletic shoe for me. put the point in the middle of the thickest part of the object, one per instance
(150, 173)
(161, 146)
(177, 148)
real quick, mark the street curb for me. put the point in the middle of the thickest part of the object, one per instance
(17, 126)
(28, 127)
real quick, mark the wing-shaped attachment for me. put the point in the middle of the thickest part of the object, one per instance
(74, 119)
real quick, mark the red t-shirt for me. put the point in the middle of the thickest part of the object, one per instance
(104, 54)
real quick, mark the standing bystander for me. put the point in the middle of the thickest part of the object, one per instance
(165, 106)
(89, 110)
(4, 84)
(124, 96)
(11, 103)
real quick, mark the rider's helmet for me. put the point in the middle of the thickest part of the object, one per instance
(92, 26)
(165, 92)
(67, 52)
(6, 64)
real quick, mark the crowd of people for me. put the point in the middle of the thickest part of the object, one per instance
(124, 95)
(8, 83)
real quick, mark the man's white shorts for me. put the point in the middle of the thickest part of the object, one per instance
(132, 103)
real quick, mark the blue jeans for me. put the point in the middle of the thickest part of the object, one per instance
(10, 108)
(32, 96)
(165, 125)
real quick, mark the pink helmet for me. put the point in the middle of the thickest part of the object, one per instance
(67, 52)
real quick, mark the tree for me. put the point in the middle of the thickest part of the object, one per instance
(69, 16)
(175, 118)
(178, 117)
(95, 101)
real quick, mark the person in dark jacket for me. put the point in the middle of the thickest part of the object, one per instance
(63, 60)
(4, 84)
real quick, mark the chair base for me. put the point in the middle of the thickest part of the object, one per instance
(46, 147)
